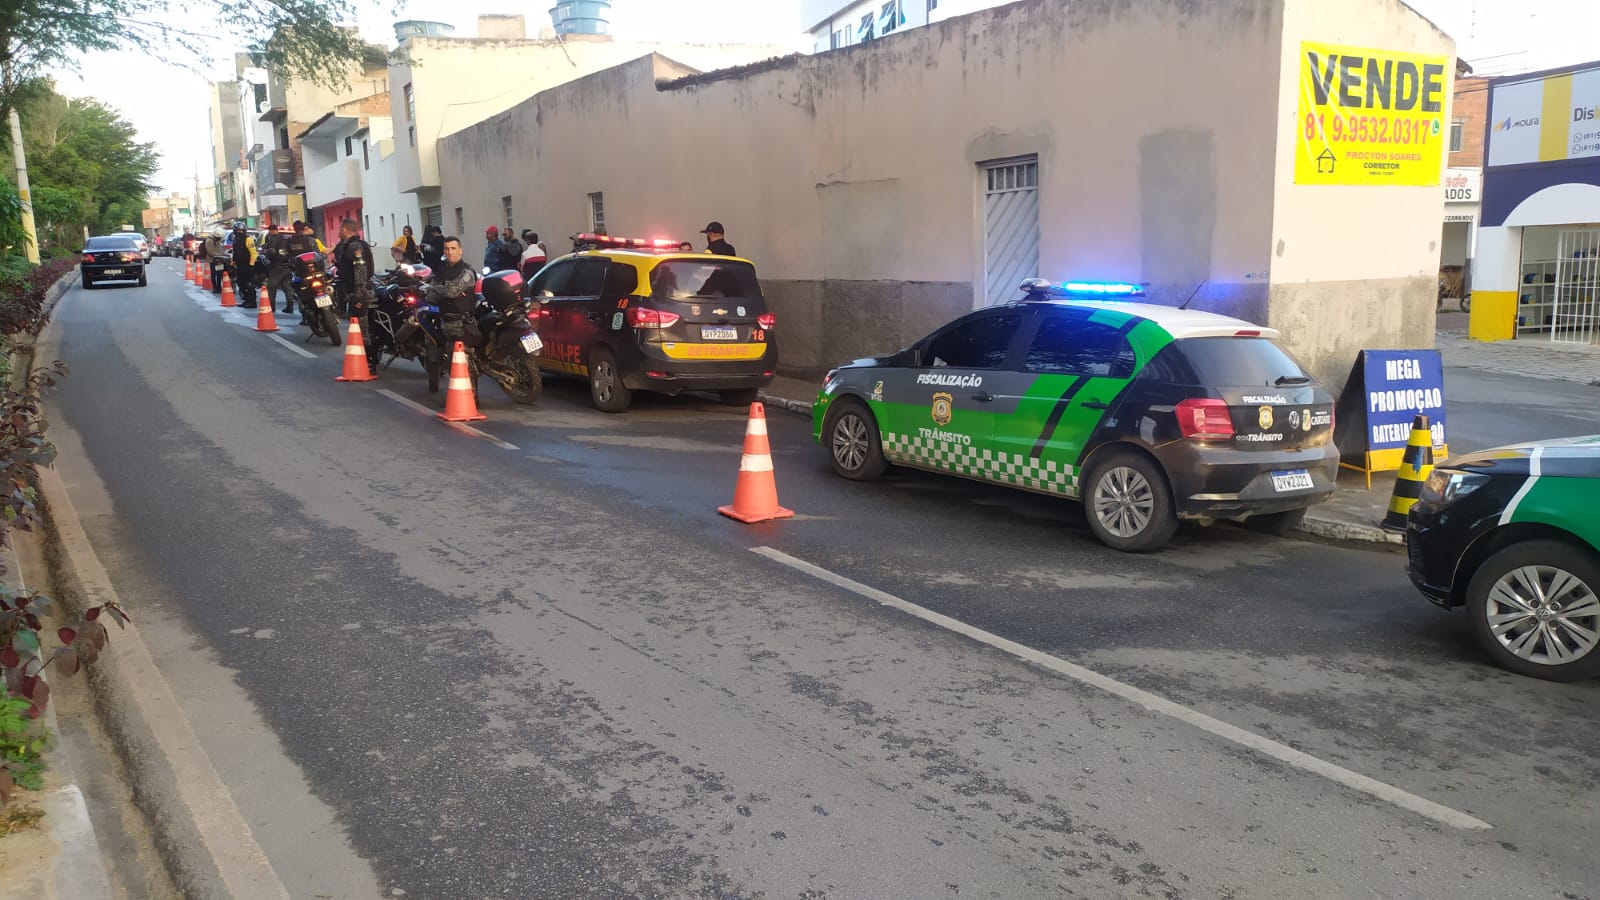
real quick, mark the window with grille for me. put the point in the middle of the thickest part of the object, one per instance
(349, 147)
(1013, 177)
(597, 213)
(1456, 129)
(506, 202)
(461, 222)
(411, 104)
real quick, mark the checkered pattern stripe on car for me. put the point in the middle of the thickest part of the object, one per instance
(1006, 468)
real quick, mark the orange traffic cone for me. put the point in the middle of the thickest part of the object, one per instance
(355, 356)
(196, 278)
(264, 318)
(459, 403)
(755, 497)
(188, 270)
(227, 291)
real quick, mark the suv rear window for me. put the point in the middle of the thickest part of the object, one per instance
(693, 279)
(1237, 362)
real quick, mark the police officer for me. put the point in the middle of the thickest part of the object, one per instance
(453, 283)
(353, 256)
(284, 245)
(244, 264)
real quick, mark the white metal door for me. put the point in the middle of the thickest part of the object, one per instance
(1010, 227)
(1575, 318)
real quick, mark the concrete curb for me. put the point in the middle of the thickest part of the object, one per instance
(1318, 526)
(204, 841)
(1340, 530)
(795, 406)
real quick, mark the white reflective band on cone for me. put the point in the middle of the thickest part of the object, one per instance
(757, 426)
(354, 350)
(762, 463)
(462, 384)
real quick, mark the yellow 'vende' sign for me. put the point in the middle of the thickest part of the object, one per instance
(1370, 116)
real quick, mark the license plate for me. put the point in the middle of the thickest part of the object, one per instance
(110, 271)
(531, 343)
(324, 301)
(1294, 480)
(718, 333)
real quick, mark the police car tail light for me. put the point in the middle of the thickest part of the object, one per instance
(767, 320)
(644, 317)
(1205, 419)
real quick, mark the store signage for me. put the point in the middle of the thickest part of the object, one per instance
(1386, 391)
(1545, 120)
(1370, 117)
(1462, 185)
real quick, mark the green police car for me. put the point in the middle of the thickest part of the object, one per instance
(1149, 414)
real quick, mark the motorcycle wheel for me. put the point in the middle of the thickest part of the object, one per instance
(330, 325)
(526, 383)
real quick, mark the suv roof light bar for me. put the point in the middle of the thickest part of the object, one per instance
(1043, 289)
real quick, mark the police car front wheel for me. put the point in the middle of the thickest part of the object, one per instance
(1128, 504)
(853, 442)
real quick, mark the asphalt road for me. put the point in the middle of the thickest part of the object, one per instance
(425, 663)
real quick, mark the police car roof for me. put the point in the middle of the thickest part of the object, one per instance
(1180, 323)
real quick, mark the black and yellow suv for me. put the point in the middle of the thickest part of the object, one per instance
(1148, 414)
(635, 314)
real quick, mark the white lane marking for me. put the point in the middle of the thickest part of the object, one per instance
(1152, 702)
(303, 352)
(464, 428)
(1534, 467)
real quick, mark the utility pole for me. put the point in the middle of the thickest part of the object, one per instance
(31, 234)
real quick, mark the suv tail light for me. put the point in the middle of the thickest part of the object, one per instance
(1205, 419)
(767, 320)
(645, 317)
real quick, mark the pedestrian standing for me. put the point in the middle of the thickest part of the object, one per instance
(407, 245)
(433, 246)
(533, 255)
(715, 240)
(492, 247)
(510, 251)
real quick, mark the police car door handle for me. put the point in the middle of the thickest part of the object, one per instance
(1093, 404)
(983, 396)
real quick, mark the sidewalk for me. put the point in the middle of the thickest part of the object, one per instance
(1352, 514)
(1529, 357)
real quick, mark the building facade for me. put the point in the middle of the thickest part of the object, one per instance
(1536, 272)
(443, 84)
(885, 188)
(833, 24)
(1463, 183)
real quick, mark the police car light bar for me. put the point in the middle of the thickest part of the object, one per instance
(622, 243)
(1103, 289)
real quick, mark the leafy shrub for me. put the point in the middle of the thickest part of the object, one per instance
(23, 287)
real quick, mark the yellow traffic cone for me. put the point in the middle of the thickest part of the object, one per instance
(1415, 467)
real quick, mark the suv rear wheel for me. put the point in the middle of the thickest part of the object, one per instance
(605, 383)
(1128, 504)
(1535, 609)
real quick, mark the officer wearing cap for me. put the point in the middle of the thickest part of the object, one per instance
(714, 240)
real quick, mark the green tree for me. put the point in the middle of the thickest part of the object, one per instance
(306, 40)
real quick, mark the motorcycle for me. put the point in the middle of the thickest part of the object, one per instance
(219, 265)
(509, 341)
(309, 281)
(396, 296)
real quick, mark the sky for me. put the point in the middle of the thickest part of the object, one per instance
(169, 105)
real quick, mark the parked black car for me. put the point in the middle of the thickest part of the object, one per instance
(112, 257)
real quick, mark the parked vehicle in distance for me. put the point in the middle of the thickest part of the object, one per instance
(112, 257)
(144, 246)
(1513, 536)
(1147, 414)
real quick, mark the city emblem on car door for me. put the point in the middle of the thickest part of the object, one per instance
(942, 410)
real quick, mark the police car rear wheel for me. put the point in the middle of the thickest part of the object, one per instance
(1128, 504)
(605, 385)
(853, 443)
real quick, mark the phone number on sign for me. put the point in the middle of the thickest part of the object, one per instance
(1369, 129)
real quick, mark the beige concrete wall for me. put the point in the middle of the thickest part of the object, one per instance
(461, 81)
(1353, 267)
(852, 177)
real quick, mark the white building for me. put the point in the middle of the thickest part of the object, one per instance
(843, 23)
(351, 172)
